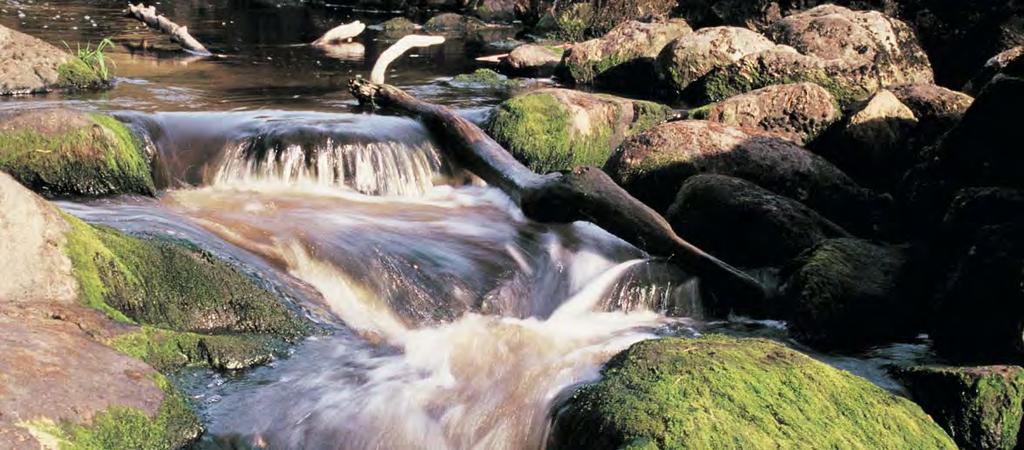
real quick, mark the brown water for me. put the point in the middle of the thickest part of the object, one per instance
(455, 321)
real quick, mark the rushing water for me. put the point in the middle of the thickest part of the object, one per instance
(455, 322)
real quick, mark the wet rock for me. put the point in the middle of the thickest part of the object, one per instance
(60, 381)
(483, 79)
(624, 58)
(783, 65)
(611, 13)
(397, 26)
(29, 65)
(864, 41)
(744, 224)
(654, 164)
(874, 144)
(992, 68)
(497, 10)
(453, 23)
(532, 60)
(980, 407)
(693, 55)
(750, 393)
(558, 129)
(60, 152)
(850, 294)
(798, 112)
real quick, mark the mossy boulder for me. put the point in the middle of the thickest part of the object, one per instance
(799, 112)
(558, 129)
(980, 407)
(397, 26)
(611, 13)
(452, 23)
(60, 152)
(849, 294)
(29, 65)
(624, 58)
(653, 165)
(863, 41)
(719, 392)
(745, 224)
(483, 79)
(693, 55)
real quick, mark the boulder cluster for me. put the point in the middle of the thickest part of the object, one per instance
(818, 149)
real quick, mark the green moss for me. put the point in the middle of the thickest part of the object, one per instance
(168, 350)
(483, 78)
(571, 23)
(719, 392)
(98, 159)
(174, 426)
(171, 284)
(979, 406)
(76, 74)
(721, 84)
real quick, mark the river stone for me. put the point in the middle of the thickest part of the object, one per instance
(610, 13)
(992, 68)
(623, 58)
(559, 129)
(718, 392)
(850, 294)
(980, 407)
(496, 10)
(29, 65)
(453, 23)
(62, 152)
(398, 26)
(936, 108)
(745, 224)
(532, 60)
(874, 145)
(798, 112)
(693, 55)
(866, 41)
(653, 165)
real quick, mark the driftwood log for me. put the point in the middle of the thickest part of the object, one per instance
(178, 33)
(340, 34)
(397, 49)
(584, 194)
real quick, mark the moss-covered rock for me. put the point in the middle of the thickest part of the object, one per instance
(654, 164)
(980, 407)
(718, 392)
(61, 152)
(397, 26)
(483, 79)
(558, 129)
(851, 294)
(453, 23)
(692, 56)
(799, 112)
(29, 65)
(624, 58)
(744, 224)
(167, 350)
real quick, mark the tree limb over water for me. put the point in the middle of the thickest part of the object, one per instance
(397, 49)
(340, 33)
(584, 194)
(178, 33)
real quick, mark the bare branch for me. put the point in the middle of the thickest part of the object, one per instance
(397, 49)
(178, 33)
(340, 33)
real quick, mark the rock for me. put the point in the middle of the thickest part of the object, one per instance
(29, 65)
(874, 145)
(719, 392)
(532, 60)
(611, 13)
(783, 65)
(398, 26)
(654, 164)
(980, 407)
(864, 41)
(693, 55)
(497, 10)
(624, 58)
(568, 23)
(60, 381)
(559, 129)
(483, 79)
(992, 68)
(936, 108)
(60, 152)
(850, 294)
(453, 23)
(744, 224)
(798, 112)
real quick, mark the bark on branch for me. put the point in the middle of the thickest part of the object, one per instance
(586, 194)
(178, 33)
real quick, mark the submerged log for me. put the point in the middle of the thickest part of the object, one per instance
(178, 33)
(584, 194)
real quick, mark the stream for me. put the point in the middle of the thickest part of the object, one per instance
(454, 322)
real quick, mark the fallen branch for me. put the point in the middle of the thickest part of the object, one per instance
(340, 33)
(585, 193)
(397, 49)
(161, 23)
